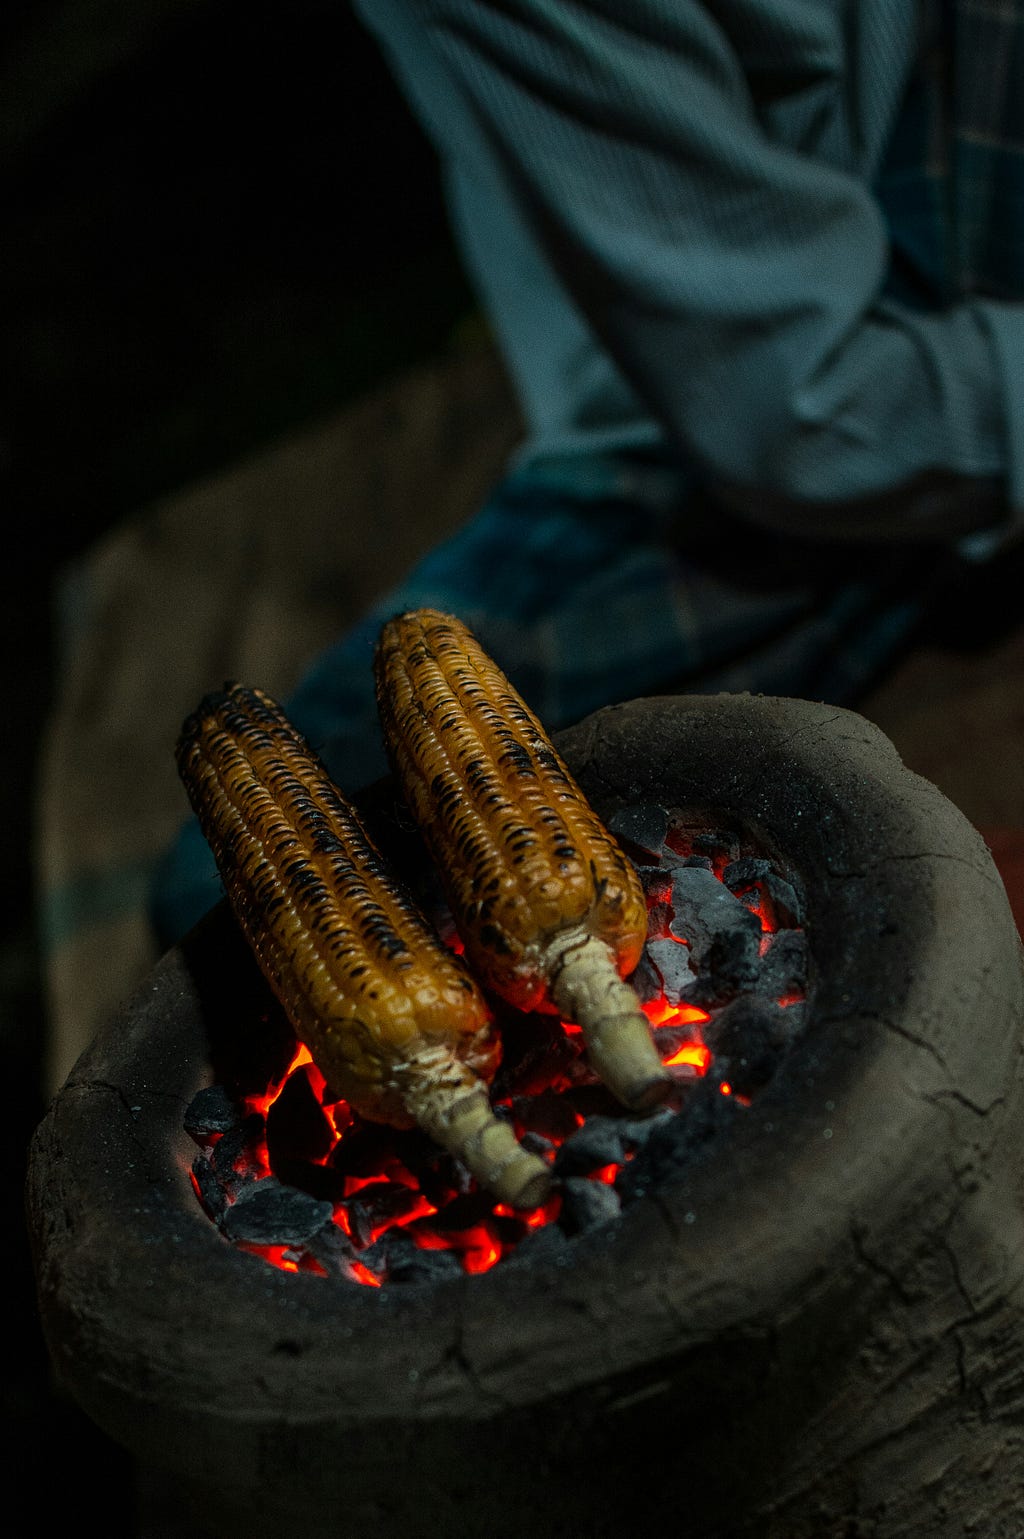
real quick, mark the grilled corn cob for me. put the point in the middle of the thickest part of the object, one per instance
(551, 913)
(392, 1018)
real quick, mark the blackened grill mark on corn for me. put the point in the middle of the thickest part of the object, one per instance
(394, 1021)
(550, 910)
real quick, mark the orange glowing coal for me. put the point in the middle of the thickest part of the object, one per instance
(385, 1194)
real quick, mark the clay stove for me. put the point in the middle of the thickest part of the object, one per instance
(811, 1325)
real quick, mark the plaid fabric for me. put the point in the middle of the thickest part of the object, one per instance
(985, 167)
(599, 576)
(952, 184)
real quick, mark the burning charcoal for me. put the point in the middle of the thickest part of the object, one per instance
(656, 882)
(746, 872)
(267, 1213)
(442, 1179)
(723, 848)
(635, 1132)
(535, 1052)
(536, 1143)
(333, 1249)
(463, 1213)
(646, 979)
(211, 1192)
(680, 1141)
(376, 1206)
(785, 904)
(236, 1156)
(643, 828)
(659, 916)
(375, 1257)
(674, 966)
(782, 903)
(547, 1114)
(746, 1039)
(368, 1149)
(699, 863)
(783, 969)
(297, 1126)
(407, 1263)
(548, 1243)
(730, 966)
(705, 909)
(593, 1100)
(211, 1111)
(585, 1204)
(598, 1142)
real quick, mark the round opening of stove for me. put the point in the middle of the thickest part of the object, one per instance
(308, 1185)
(815, 1288)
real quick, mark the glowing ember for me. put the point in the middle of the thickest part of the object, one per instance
(372, 1194)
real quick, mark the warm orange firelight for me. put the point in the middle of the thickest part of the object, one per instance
(693, 1053)
(660, 1013)
(495, 1229)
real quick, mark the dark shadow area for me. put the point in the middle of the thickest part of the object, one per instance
(221, 223)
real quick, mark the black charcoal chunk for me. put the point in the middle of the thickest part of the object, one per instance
(680, 1142)
(464, 1212)
(548, 1114)
(659, 917)
(745, 872)
(598, 1142)
(785, 903)
(211, 1111)
(375, 1257)
(646, 979)
(267, 1213)
(586, 1204)
(643, 827)
(635, 1132)
(795, 1016)
(333, 1249)
(721, 845)
(747, 1038)
(699, 863)
(380, 1203)
(535, 1051)
(784, 966)
(536, 1143)
(211, 1192)
(672, 962)
(443, 1178)
(705, 909)
(548, 1243)
(422, 1266)
(730, 966)
(236, 1155)
(297, 1126)
(656, 882)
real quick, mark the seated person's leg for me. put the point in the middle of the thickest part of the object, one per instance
(589, 600)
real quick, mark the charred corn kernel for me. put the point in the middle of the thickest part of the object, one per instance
(550, 910)
(393, 1019)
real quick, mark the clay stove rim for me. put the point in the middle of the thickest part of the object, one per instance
(855, 1120)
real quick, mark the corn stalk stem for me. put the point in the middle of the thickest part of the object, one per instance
(450, 1103)
(586, 989)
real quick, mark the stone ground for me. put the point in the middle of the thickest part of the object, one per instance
(182, 295)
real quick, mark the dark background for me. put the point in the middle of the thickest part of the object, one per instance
(221, 222)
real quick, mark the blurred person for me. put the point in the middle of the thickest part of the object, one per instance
(756, 272)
